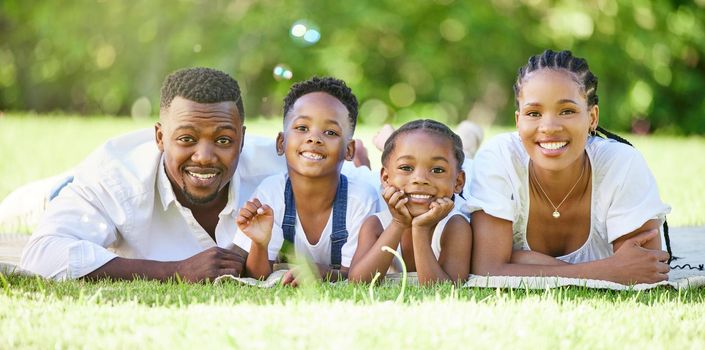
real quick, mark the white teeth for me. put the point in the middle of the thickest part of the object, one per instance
(552, 145)
(311, 155)
(419, 196)
(201, 176)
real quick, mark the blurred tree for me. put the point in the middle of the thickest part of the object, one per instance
(444, 59)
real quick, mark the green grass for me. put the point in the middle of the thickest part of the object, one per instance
(76, 314)
(35, 147)
(36, 313)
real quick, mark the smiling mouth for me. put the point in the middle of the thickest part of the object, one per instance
(311, 155)
(552, 145)
(419, 196)
(201, 176)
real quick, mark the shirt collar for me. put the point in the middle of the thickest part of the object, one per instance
(167, 196)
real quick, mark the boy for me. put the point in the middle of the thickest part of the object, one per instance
(312, 206)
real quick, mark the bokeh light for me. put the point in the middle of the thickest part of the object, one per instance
(305, 33)
(282, 72)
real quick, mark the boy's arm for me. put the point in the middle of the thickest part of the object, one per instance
(257, 264)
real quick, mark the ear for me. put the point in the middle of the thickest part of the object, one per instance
(594, 117)
(384, 176)
(350, 150)
(280, 143)
(459, 182)
(516, 119)
(159, 136)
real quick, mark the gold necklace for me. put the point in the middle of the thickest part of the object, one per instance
(556, 213)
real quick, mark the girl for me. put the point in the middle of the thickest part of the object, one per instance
(313, 206)
(553, 199)
(421, 171)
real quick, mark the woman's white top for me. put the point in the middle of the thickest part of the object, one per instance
(624, 192)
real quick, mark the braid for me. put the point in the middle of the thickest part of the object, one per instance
(430, 126)
(564, 60)
(613, 136)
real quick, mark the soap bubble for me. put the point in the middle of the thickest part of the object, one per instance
(305, 32)
(282, 72)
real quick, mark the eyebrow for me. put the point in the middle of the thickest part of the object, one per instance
(328, 121)
(434, 158)
(561, 101)
(218, 128)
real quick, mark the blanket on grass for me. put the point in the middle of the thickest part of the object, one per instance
(688, 246)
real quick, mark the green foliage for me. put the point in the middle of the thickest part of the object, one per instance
(444, 59)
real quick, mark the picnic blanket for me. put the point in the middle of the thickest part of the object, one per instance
(688, 245)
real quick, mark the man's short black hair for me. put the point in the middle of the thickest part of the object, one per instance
(202, 85)
(332, 86)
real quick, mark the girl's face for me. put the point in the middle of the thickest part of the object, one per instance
(423, 165)
(554, 119)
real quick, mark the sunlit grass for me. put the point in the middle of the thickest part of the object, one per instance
(165, 315)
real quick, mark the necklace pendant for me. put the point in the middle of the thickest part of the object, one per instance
(556, 214)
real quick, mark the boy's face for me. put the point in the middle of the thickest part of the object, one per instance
(317, 136)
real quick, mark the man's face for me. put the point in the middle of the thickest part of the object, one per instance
(201, 144)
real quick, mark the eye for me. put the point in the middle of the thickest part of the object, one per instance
(302, 128)
(223, 141)
(331, 133)
(533, 114)
(438, 170)
(186, 139)
(568, 111)
(405, 168)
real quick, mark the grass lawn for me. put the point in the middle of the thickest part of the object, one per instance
(42, 314)
(35, 313)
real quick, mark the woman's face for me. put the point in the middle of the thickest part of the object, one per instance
(554, 119)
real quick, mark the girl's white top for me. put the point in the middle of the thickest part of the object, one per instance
(385, 218)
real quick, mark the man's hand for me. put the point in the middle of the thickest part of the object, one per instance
(632, 262)
(209, 264)
(256, 221)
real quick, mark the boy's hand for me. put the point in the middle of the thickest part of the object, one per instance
(438, 210)
(396, 201)
(256, 221)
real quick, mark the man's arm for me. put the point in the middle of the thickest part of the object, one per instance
(206, 265)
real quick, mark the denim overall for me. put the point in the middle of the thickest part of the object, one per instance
(339, 233)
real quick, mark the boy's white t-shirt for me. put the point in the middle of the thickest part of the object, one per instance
(385, 218)
(362, 202)
(624, 192)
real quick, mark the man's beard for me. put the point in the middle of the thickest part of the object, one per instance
(199, 200)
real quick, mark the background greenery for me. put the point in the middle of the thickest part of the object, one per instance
(445, 59)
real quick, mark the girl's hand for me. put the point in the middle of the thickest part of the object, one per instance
(439, 209)
(632, 263)
(396, 201)
(256, 221)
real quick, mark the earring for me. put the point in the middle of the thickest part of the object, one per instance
(592, 132)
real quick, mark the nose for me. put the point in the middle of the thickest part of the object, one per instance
(550, 124)
(204, 154)
(419, 177)
(314, 137)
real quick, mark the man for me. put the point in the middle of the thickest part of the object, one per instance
(166, 208)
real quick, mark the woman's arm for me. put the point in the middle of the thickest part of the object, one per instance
(632, 263)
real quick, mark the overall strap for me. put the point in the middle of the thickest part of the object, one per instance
(340, 232)
(289, 222)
